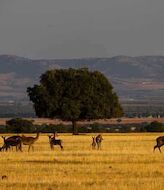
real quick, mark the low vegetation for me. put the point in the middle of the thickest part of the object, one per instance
(125, 162)
(20, 125)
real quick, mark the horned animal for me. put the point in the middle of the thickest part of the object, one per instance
(29, 141)
(53, 141)
(160, 142)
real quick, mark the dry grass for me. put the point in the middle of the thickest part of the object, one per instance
(126, 162)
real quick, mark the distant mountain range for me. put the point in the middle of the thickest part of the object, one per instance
(133, 78)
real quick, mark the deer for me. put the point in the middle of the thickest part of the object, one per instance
(15, 137)
(10, 142)
(93, 142)
(98, 141)
(160, 142)
(53, 141)
(29, 141)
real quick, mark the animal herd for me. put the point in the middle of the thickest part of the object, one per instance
(17, 141)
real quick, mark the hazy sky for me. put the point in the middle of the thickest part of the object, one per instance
(81, 28)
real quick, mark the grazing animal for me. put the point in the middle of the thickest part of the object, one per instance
(9, 142)
(15, 137)
(98, 141)
(93, 142)
(160, 142)
(53, 141)
(29, 141)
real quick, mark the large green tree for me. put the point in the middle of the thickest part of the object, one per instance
(74, 95)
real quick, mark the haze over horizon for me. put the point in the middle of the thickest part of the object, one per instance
(76, 29)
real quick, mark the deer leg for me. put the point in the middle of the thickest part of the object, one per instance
(159, 149)
(155, 147)
(29, 148)
(19, 147)
(6, 147)
(98, 146)
(3, 148)
(61, 147)
(52, 146)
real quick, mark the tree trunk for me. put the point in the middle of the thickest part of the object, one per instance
(74, 128)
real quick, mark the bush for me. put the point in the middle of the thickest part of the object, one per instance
(44, 128)
(3, 129)
(18, 125)
(155, 126)
(95, 127)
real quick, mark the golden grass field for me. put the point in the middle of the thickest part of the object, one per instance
(126, 162)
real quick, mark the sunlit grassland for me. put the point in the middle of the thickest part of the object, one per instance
(126, 162)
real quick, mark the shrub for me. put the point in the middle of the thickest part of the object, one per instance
(155, 126)
(19, 125)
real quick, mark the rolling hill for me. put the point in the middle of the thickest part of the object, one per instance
(133, 78)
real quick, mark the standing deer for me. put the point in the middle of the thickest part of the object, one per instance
(29, 141)
(98, 141)
(15, 137)
(160, 142)
(93, 142)
(53, 141)
(10, 142)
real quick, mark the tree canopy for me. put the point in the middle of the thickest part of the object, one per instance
(73, 95)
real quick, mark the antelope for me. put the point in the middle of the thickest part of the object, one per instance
(16, 137)
(98, 141)
(9, 142)
(29, 141)
(93, 142)
(53, 141)
(160, 142)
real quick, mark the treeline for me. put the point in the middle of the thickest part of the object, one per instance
(19, 125)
